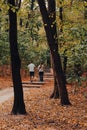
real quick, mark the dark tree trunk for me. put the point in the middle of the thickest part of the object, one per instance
(21, 22)
(60, 79)
(32, 4)
(52, 14)
(55, 93)
(65, 64)
(53, 45)
(61, 17)
(85, 9)
(18, 106)
(61, 30)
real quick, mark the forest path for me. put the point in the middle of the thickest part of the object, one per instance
(7, 93)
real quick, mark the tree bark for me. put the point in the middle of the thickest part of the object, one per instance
(53, 45)
(55, 93)
(18, 106)
(52, 17)
(61, 17)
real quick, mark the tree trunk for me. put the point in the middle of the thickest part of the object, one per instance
(65, 64)
(18, 106)
(55, 93)
(53, 45)
(61, 17)
(32, 4)
(60, 79)
(52, 14)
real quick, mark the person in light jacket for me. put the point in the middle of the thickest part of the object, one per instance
(41, 71)
(31, 68)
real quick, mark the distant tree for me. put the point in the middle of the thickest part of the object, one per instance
(61, 16)
(18, 106)
(53, 45)
(32, 4)
(85, 9)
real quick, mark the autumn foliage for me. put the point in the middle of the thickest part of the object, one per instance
(45, 113)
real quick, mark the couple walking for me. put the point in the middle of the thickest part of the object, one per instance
(31, 68)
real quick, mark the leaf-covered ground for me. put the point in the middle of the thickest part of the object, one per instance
(45, 113)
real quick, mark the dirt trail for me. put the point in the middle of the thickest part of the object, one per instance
(5, 94)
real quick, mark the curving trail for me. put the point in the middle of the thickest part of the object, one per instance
(6, 94)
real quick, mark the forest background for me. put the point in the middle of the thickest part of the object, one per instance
(32, 42)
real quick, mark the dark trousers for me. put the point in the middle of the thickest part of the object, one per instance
(41, 76)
